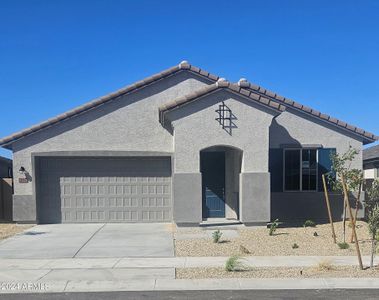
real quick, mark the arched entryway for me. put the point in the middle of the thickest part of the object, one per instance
(220, 167)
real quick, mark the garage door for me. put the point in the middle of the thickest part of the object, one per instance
(72, 190)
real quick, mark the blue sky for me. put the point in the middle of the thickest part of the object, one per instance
(55, 55)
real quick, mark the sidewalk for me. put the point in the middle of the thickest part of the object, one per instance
(149, 274)
(174, 262)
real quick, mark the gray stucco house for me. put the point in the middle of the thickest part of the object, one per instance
(182, 145)
(371, 162)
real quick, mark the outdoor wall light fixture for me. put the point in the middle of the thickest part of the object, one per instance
(23, 178)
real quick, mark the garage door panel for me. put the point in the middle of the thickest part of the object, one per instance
(138, 190)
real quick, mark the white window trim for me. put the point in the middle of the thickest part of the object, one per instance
(301, 170)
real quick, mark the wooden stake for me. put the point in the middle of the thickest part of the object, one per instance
(346, 198)
(356, 210)
(328, 207)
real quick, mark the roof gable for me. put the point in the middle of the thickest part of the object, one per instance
(221, 84)
(183, 66)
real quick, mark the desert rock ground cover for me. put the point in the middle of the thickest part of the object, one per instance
(308, 272)
(9, 229)
(259, 243)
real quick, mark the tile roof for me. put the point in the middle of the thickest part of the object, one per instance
(256, 92)
(368, 136)
(184, 65)
(371, 153)
(220, 84)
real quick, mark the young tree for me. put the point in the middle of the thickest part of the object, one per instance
(373, 226)
(372, 195)
(341, 167)
(372, 205)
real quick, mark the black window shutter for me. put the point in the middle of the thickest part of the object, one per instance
(324, 164)
(276, 169)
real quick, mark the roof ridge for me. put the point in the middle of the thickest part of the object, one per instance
(243, 83)
(184, 65)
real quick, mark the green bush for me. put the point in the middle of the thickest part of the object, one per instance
(343, 245)
(295, 246)
(234, 263)
(216, 235)
(273, 226)
(309, 223)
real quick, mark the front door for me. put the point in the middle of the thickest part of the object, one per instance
(213, 184)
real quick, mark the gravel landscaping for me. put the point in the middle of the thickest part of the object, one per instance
(9, 229)
(309, 272)
(198, 241)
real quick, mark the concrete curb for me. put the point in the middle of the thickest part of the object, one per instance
(201, 284)
(174, 262)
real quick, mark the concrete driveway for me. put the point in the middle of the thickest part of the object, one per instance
(90, 240)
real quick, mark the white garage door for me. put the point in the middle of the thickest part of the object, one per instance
(72, 190)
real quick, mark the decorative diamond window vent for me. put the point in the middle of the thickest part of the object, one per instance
(224, 115)
(225, 118)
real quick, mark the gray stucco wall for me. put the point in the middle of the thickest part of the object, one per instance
(196, 129)
(294, 128)
(187, 198)
(300, 206)
(128, 123)
(255, 198)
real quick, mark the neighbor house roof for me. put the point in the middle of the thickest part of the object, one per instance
(368, 136)
(257, 93)
(220, 84)
(184, 65)
(371, 153)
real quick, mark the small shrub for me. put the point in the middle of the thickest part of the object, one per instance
(295, 246)
(273, 226)
(244, 250)
(343, 245)
(315, 233)
(309, 223)
(325, 265)
(234, 264)
(216, 235)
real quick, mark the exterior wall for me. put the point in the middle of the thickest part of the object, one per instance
(128, 123)
(255, 198)
(187, 198)
(293, 128)
(300, 206)
(195, 129)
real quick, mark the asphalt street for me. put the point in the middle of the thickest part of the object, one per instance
(336, 294)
